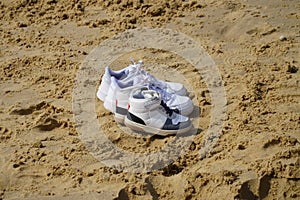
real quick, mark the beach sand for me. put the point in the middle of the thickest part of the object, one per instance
(255, 45)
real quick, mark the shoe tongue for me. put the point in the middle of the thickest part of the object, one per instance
(150, 94)
(138, 94)
(152, 99)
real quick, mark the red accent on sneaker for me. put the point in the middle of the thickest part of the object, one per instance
(128, 106)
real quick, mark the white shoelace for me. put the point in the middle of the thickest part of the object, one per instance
(152, 83)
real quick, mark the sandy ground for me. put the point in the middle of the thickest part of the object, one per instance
(256, 47)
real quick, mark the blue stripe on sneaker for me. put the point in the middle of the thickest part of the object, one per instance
(121, 111)
(170, 126)
(135, 118)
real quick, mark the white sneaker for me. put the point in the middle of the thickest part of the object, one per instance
(147, 112)
(117, 97)
(135, 71)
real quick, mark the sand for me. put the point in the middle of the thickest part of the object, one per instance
(255, 45)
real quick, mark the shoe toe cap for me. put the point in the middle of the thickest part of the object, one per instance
(183, 104)
(178, 88)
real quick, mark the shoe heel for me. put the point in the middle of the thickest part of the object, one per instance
(109, 105)
(120, 118)
(103, 88)
(101, 95)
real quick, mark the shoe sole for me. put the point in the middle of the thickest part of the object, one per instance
(142, 128)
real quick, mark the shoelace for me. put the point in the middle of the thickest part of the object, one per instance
(138, 70)
(169, 111)
(166, 96)
(152, 82)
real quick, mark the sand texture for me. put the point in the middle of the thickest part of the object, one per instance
(255, 45)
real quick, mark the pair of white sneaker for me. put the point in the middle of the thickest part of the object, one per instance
(135, 87)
